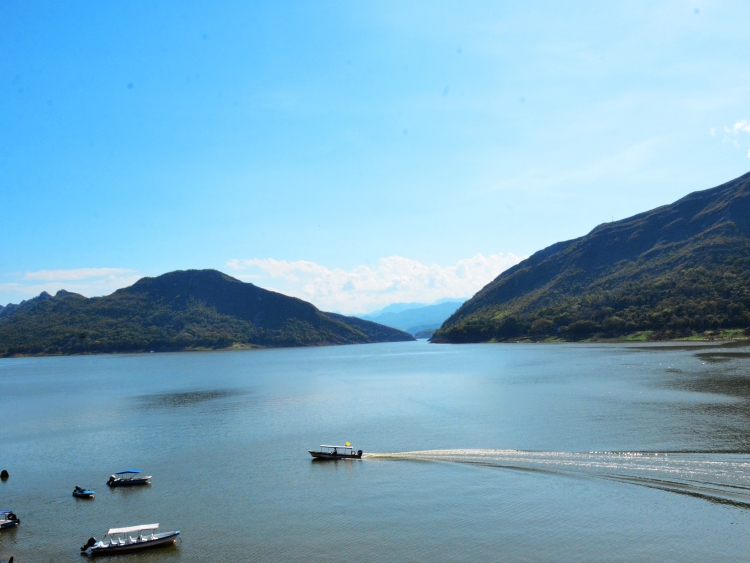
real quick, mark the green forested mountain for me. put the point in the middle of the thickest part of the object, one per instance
(177, 311)
(672, 272)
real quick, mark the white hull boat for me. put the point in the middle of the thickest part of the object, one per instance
(8, 519)
(121, 540)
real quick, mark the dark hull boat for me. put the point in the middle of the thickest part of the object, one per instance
(336, 452)
(128, 482)
(120, 540)
(128, 478)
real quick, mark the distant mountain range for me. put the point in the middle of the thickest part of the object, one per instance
(416, 317)
(673, 272)
(182, 310)
(398, 307)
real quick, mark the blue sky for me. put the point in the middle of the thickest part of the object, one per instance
(351, 153)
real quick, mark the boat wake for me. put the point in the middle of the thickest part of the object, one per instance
(716, 477)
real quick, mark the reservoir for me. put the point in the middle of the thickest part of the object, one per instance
(512, 452)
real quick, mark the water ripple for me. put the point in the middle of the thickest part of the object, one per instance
(186, 399)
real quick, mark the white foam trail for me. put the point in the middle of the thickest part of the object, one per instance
(715, 476)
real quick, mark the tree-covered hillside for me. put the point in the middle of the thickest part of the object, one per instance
(672, 272)
(180, 310)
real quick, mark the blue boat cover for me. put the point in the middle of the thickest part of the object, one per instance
(5, 511)
(128, 471)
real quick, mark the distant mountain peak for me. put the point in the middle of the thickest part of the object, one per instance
(11, 309)
(181, 310)
(64, 293)
(418, 319)
(399, 307)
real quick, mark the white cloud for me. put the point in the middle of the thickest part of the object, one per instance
(740, 126)
(86, 281)
(77, 274)
(394, 280)
(731, 134)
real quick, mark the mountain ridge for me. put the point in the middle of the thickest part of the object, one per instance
(181, 310)
(670, 271)
(400, 307)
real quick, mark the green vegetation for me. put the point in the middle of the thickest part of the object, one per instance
(190, 310)
(678, 272)
(423, 334)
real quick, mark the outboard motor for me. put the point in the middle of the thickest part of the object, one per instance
(13, 518)
(111, 480)
(90, 543)
(359, 453)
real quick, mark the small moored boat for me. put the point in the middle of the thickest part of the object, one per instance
(78, 492)
(127, 478)
(8, 519)
(120, 540)
(336, 452)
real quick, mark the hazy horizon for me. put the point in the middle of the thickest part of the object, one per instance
(374, 312)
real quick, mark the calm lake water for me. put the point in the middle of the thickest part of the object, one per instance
(514, 452)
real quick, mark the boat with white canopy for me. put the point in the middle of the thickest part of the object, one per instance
(8, 519)
(336, 452)
(128, 478)
(119, 540)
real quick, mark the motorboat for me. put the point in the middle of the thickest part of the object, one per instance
(120, 540)
(79, 492)
(336, 452)
(128, 478)
(8, 519)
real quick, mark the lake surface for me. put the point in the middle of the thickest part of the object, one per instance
(513, 452)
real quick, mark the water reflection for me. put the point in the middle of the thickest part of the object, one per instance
(722, 357)
(686, 346)
(129, 491)
(186, 399)
(335, 465)
(725, 374)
